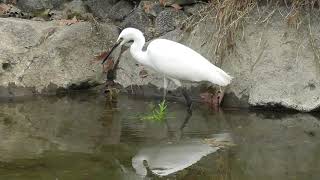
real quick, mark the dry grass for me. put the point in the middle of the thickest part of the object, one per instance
(230, 16)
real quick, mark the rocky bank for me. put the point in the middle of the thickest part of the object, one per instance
(273, 64)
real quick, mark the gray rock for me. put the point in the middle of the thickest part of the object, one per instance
(45, 56)
(168, 20)
(140, 20)
(273, 66)
(58, 3)
(13, 11)
(151, 7)
(120, 10)
(58, 15)
(100, 8)
(36, 5)
(278, 67)
(195, 9)
(76, 7)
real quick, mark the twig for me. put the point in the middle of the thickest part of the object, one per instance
(269, 16)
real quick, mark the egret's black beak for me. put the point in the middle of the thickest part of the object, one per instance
(112, 49)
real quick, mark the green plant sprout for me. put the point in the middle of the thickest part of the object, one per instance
(158, 113)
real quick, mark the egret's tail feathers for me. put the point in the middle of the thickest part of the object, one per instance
(227, 79)
(220, 77)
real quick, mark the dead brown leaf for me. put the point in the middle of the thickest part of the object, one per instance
(68, 22)
(146, 7)
(102, 56)
(108, 65)
(162, 2)
(109, 62)
(143, 73)
(4, 8)
(176, 7)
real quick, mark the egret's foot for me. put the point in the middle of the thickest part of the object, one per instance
(220, 94)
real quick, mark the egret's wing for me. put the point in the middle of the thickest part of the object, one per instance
(181, 62)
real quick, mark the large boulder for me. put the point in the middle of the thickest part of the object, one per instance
(43, 57)
(273, 65)
(37, 5)
(276, 65)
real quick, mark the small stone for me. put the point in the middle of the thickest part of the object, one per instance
(150, 7)
(34, 5)
(120, 10)
(100, 8)
(57, 15)
(76, 6)
(168, 20)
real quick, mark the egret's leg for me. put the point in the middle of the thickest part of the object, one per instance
(188, 99)
(186, 120)
(184, 93)
(165, 86)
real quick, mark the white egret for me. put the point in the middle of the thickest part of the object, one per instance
(164, 159)
(176, 62)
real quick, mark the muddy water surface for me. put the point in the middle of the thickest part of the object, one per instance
(83, 137)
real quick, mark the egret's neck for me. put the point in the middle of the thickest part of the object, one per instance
(136, 50)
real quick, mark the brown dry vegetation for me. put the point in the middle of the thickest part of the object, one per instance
(230, 16)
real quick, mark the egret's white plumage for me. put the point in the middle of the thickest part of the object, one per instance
(165, 159)
(174, 60)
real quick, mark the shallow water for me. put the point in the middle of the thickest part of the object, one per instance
(83, 137)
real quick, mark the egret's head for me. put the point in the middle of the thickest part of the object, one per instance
(138, 165)
(128, 35)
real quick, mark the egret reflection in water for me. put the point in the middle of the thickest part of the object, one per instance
(168, 158)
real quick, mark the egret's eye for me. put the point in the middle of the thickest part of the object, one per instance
(131, 41)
